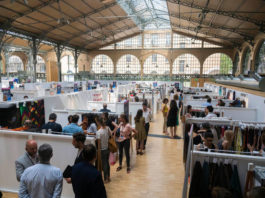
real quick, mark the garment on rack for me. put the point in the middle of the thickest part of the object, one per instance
(204, 185)
(238, 139)
(235, 184)
(195, 187)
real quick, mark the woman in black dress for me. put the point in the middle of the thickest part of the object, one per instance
(172, 118)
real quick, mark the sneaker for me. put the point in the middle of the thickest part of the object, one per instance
(128, 170)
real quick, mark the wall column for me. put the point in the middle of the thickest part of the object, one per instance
(34, 46)
(6, 54)
(59, 49)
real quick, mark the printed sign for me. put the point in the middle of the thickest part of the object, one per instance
(97, 96)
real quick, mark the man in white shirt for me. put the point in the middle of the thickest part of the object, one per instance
(209, 112)
(42, 180)
(147, 114)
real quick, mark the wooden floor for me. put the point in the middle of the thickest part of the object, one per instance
(158, 173)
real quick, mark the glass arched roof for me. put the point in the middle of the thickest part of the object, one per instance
(147, 14)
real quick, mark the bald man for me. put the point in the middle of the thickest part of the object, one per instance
(28, 159)
(105, 108)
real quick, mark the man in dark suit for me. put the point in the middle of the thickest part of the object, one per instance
(86, 179)
(28, 159)
(79, 143)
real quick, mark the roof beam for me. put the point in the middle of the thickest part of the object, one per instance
(205, 33)
(117, 32)
(34, 9)
(219, 12)
(95, 30)
(118, 40)
(214, 26)
(81, 17)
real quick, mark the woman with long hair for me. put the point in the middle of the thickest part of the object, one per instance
(140, 128)
(124, 137)
(172, 118)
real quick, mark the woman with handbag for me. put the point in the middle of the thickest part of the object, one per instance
(124, 137)
(104, 134)
(141, 135)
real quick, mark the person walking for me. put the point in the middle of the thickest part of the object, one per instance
(164, 112)
(103, 134)
(172, 118)
(140, 128)
(124, 137)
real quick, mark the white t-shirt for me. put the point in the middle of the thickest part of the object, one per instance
(211, 115)
(147, 115)
(103, 135)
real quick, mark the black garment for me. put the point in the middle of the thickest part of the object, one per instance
(146, 126)
(195, 185)
(220, 179)
(87, 181)
(126, 145)
(235, 184)
(204, 184)
(213, 173)
(172, 117)
(197, 140)
(79, 158)
(53, 126)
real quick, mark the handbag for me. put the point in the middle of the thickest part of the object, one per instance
(67, 172)
(112, 145)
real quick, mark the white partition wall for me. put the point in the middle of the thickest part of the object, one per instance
(12, 145)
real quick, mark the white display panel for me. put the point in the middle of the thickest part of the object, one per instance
(12, 146)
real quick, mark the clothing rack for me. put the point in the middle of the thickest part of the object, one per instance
(191, 152)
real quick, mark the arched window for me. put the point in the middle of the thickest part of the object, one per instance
(156, 64)
(102, 64)
(40, 67)
(68, 69)
(260, 59)
(217, 64)
(235, 64)
(15, 64)
(246, 61)
(128, 64)
(186, 64)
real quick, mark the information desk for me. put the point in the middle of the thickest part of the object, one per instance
(12, 145)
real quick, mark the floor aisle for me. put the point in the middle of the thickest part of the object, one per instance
(157, 174)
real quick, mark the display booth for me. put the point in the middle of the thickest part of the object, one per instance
(12, 145)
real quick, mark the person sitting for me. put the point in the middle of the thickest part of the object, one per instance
(70, 118)
(73, 127)
(207, 142)
(235, 103)
(189, 110)
(105, 108)
(227, 142)
(86, 179)
(42, 180)
(209, 112)
(91, 125)
(52, 124)
(220, 103)
(208, 103)
(28, 159)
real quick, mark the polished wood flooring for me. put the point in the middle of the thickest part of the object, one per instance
(158, 173)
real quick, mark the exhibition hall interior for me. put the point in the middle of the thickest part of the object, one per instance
(132, 98)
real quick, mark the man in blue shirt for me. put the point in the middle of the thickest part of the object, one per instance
(42, 180)
(208, 103)
(73, 127)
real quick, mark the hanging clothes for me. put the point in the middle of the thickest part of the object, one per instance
(195, 185)
(235, 184)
